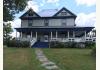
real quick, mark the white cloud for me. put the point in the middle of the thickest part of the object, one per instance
(52, 1)
(86, 2)
(86, 19)
(33, 5)
(43, 3)
(15, 24)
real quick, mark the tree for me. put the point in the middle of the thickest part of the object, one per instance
(6, 32)
(10, 7)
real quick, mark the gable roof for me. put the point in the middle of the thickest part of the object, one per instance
(28, 12)
(65, 10)
(48, 12)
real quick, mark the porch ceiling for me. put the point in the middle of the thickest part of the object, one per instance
(87, 29)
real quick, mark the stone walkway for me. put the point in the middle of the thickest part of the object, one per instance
(45, 62)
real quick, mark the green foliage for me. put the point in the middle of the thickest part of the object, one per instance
(94, 51)
(67, 45)
(16, 43)
(6, 32)
(57, 45)
(90, 44)
(10, 7)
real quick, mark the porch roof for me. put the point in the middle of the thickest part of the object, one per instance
(41, 29)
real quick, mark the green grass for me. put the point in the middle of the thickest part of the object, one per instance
(72, 59)
(66, 59)
(21, 59)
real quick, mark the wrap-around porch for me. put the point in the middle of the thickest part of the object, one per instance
(61, 35)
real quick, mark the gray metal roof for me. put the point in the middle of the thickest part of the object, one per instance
(47, 12)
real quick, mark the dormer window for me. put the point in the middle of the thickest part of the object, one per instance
(46, 22)
(63, 13)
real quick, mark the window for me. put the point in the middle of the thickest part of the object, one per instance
(63, 22)
(30, 13)
(63, 13)
(30, 22)
(46, 22)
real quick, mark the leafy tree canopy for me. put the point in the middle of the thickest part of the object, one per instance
(10, 7)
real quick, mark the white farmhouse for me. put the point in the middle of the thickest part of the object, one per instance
(52, 25)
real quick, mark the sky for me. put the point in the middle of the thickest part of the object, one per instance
(84, 9)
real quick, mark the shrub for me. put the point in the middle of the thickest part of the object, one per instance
(11, 43)
(25, 44)
(17, 43)
(90, 44)
(71, 44)
(80, 45)
(93, 51)
(57, 45)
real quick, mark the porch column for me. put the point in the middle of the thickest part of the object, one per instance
(21, 34)
(36, 35)
(31, 34)
(85, 34)
(16, 34)
(68, 34)
(51, 35)
(56, 34)
(73, 34)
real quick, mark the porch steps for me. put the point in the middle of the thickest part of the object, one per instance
(40, 45)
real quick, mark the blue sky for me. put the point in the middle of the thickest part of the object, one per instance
(72, 5)
(84, 9)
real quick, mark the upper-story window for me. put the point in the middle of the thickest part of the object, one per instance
(63, 13)
(30, 14)
(63, 22)
(46, 22)
(30, 22)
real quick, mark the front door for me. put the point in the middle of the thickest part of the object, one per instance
(45, 38)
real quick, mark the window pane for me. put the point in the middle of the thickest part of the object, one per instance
(30, 22)
(63, 22)
(46, 22)
(63, 13)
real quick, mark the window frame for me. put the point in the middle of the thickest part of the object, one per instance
(46, 22)
(63, 21)
(30, 13)
(63, 13)
(30, 23)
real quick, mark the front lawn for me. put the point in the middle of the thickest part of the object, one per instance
(66, 59)
(20, 59)
(72, 59)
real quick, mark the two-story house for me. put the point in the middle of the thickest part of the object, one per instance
(51, 25)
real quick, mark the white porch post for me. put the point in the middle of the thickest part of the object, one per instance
(31, 34)
(36, 35)
(56, 34)
(16, 34)
(68, 34)
(51, 35)
(85, 34)
(73, 34)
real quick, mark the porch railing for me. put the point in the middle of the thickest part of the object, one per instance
(32, 41)
(82, 39)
